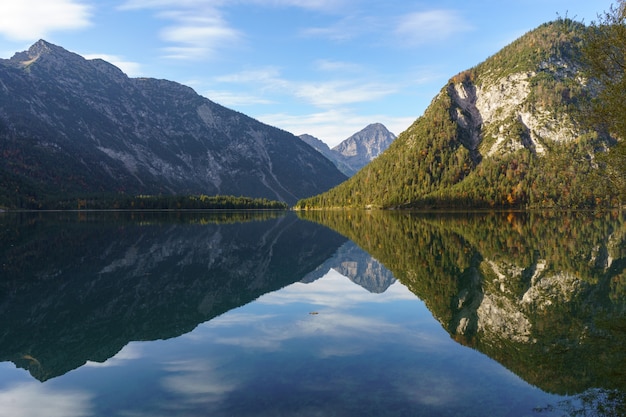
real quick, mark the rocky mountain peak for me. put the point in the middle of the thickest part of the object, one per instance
(365, 145)
(369, 142)
(43, 47)
(358, 150)
(40, 49)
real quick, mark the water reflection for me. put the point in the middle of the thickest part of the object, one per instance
(352, 262)
(86, 288)
(33, 399)
(261, 315)
(542, 293)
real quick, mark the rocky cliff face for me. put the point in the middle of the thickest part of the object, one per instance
(489, 111)
(70, 125)
(356, 151)
(362, 147)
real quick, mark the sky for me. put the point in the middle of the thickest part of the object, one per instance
(323, 67)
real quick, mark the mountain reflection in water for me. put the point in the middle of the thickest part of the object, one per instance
(542, 294)
(75, 291)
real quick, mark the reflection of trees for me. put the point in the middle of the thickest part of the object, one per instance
(591, 403)
(542, 293)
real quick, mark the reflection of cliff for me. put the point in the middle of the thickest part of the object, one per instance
(544, 294)
(357, 265)
(76, 291)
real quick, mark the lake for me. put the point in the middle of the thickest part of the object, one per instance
(312, 314)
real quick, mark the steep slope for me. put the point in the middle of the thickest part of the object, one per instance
(333, 156)
(75, 126)
(356, 151)
(362, 147)
(507, 133)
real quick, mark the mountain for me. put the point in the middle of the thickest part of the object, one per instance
(362, 147)
(331, 155)
(71, 126)
(510, 132)
(358, 266)
(358, 150)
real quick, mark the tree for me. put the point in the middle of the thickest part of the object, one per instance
(604, 53)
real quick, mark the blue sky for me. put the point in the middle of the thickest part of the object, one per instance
(323, 67)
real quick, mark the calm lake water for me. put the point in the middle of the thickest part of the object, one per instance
(319, 314)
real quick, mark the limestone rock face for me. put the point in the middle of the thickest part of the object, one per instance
(356, 151)
(490, 109)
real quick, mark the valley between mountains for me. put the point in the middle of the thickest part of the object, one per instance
(508, 133)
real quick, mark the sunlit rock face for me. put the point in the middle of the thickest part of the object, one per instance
(362, 147)
(497, 104)
(506, 313)
(358, 150)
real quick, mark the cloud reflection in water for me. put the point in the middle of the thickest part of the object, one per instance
(289, 344)
(37, 400)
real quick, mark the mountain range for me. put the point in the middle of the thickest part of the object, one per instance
(511, 132)
(356, 151)
(72, 126)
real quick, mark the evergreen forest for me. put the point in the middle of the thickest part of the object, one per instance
(533, 151)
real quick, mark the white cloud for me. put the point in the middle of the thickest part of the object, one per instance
(191, 378)
(334, 93)
(166, 4)
(197, 36)
(36, 400)
(271, 335)
(333, 126)
(328, 65)
(324, 94)
(430, 26)
(132, 69)
(197, 28)
(320, 5)
(269, 77)
(33, 19)
(346, 29)
(229, 98)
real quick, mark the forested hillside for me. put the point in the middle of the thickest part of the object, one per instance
(509, 132)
